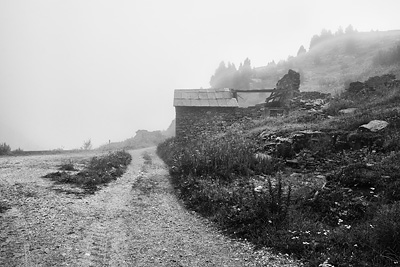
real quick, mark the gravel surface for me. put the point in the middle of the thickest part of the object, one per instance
(133, 221)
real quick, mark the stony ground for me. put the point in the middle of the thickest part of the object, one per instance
(134, 221)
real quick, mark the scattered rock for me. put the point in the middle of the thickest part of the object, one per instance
(310, 101)
(347, 111)
(310, 139)
(374, 126)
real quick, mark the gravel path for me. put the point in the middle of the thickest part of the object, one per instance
(134, 221)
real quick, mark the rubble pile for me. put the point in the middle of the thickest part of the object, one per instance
(312, 101)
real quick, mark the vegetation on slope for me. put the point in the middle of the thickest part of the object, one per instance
(99, 170)
(332, 61)
(334, 202)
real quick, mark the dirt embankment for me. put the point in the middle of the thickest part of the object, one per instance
(134, 221)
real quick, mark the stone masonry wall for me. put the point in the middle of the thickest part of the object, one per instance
(193, 122)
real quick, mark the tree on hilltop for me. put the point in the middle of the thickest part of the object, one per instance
(227, 76)
(301, 51)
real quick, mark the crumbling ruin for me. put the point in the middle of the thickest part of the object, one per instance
(203, 111)
(278, 103)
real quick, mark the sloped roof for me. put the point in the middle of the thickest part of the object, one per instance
(204, 98)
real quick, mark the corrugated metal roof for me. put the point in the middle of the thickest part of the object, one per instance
(204, 98)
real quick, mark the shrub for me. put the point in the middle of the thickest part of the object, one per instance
(99, 170)
(69, 166)
(388, 57)
(147, 158)
(387, 231)
(4, 149)
(18, 151)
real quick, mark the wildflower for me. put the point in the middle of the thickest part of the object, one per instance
(258, 188)
(326, 263)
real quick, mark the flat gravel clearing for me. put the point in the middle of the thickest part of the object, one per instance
(133, 221)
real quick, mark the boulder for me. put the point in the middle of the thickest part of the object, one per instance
(374, 126)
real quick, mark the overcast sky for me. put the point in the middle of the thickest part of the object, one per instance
(71, 70)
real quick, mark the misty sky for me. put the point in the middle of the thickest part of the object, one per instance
(71, 70)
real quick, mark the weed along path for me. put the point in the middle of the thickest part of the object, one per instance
(133, 221)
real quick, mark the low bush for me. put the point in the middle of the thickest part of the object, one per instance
(5, 149)
(69, 166)
(387, 231)
(147, 158)
(388, 57)
(99, 170)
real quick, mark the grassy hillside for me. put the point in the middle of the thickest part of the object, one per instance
(317, 184)
(331, 64)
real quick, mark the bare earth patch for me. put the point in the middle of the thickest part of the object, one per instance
(133, 221)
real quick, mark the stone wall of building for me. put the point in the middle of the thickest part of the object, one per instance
(193, 122)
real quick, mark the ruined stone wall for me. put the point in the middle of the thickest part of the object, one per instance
(193, 122)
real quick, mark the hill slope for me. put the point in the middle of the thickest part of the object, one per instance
(321, 184)
(330, 65)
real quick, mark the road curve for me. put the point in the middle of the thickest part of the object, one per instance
(134, 221)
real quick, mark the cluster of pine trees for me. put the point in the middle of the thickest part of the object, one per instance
(228, 76)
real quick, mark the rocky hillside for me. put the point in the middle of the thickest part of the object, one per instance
(322, 183)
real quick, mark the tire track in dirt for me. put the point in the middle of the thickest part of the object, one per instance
(133, 221)
(105, 238)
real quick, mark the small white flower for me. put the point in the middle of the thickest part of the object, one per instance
(258, 188)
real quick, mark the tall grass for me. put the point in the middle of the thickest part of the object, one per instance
(352, 221)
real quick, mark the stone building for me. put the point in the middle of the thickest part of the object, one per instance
(204, 111)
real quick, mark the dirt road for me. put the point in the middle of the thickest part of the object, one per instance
(134, 221)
